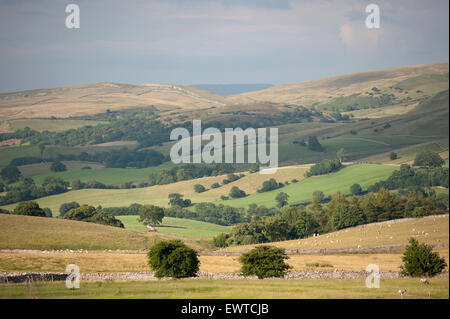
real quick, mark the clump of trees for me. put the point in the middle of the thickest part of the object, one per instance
(236, 192)
(324, 167)
(313, 144)
(428, 158)
(264, 262)
(58, 166)
(91, 214)
(270, 185)
(282, 199)
(30, 208)
(419, 259)
(173, 259)
(407, 177)
(199, 188)
(189, 171)
(176, 199)
(26, 189)
(65, 207)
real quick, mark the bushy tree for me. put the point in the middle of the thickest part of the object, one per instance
(428, 158)
(64, 208)
(235, 192)
(282, 199)
(29, 208)
(269, 185)
(176, 199)
(58, 166)
(215, 185)
(151, 215)
(48, 212)
(313, 144)
(221, 240)
(419, 259)
(198, 188)
(264, 262)
(393, 156)
(173, 259)
(356, 189)
(91, 214)
(10, 173)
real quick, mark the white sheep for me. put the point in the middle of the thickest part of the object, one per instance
(401, 292)
(424, 281)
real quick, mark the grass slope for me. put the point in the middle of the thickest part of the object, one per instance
(301, 192)
(429, 230)
(28, 232)
(232, 289)
(193, 228)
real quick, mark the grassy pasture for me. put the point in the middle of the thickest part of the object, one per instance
(233, 289)
(43, 169)
(102, 174)
(429, 230)
(55, 125)
(193, 228)
(301, 192)
(27, 232)
(156, 195)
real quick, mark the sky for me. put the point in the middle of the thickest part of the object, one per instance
(212, 41)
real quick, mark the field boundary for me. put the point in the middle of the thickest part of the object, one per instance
(7, 278)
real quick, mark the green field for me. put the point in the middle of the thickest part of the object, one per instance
(301, 192)
(55, 125)
(104, 175)
(28, 232)
(193, 228)
(232, 289)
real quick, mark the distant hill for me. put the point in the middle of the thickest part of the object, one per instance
(96, 98)
(232, 89)
(360, 90)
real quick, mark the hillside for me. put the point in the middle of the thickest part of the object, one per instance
(28, 232)
(96, 98)
(357, 88)
(432, 230)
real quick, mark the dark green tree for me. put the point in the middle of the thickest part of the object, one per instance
(282, 199)
(151, 215)
(419, 259)
(29, 208)
(356, 189)
(173, 259)
(428, 158)
(199, 188)
(264, 262)
(235, 192)
(10, 174)
(64, 208)
(58, 166)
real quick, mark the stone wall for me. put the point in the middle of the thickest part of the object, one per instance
(149, 276)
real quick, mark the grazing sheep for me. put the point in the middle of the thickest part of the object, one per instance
(401, 292)
(424, 281)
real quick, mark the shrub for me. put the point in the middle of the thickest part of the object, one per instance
(221, 240)
(29, 208)
(176, 199)
(215, 185)
(419, 259)
(235, 192)
(356, 189)
(173, 259)
(48, 212)
(264, 262)
(58, 166)
(198, 188)
(269, 185)
(393, 156)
